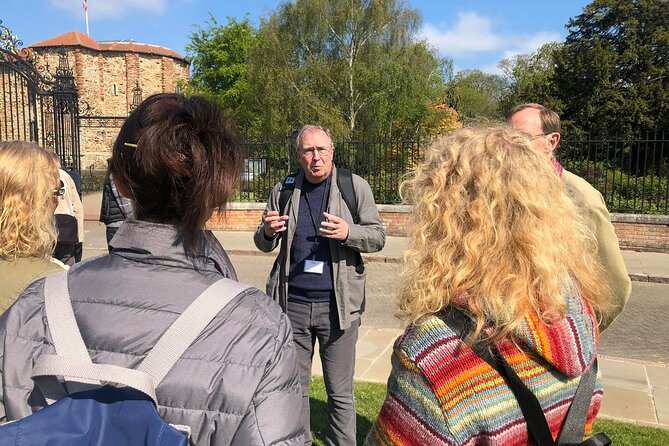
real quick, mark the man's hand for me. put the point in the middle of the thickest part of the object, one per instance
(274, 223)
(334, 227)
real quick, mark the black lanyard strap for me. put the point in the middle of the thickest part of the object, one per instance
(321, 217)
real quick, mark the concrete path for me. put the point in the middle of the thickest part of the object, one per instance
(634, 351)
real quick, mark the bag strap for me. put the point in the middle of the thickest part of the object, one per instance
(48, 367)
(345, 185)
(528, 402)
(573, 427)
(65, 334)
(183, 332)
(60, 315)
(75, 361)
(287, 187)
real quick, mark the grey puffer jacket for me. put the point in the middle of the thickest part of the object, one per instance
(236, 384)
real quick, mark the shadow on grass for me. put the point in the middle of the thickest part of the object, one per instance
(369, 398)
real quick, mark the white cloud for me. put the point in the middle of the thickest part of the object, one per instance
(475, 34)
(492, 69)
(103, 9)
(471, 33)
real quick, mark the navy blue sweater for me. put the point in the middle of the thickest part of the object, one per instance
(309, 245)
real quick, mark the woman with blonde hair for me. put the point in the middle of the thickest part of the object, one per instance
(495, 238)
(29, 189)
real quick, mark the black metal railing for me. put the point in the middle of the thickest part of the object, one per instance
(381, 163)
(633, 176)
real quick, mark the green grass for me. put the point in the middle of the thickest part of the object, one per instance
(369, 398)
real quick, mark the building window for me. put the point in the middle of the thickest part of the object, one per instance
(115, 89)
(177, 89)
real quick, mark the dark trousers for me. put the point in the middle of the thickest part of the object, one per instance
(319, 320)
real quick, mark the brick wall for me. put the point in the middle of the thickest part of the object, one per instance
(642, 232)
(638, 232)
(105, 80)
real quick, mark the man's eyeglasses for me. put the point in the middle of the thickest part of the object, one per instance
(533, 137)
(310, 151)
(60, 191)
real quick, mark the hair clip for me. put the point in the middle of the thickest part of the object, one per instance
(129, 144)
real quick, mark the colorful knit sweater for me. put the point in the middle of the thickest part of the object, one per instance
(441, 393)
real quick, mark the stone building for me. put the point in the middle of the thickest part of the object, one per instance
(111, 78)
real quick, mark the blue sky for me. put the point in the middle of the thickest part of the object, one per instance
(473, 33)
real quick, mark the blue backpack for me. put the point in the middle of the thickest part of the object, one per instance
(83, 409)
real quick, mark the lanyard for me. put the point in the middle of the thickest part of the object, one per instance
(324, 203)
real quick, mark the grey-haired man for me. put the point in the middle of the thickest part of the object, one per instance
(319, 278)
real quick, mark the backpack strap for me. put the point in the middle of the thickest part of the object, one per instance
(64, 332)
(345, 185)
(183, 332)
(73, 362)
(287, 187)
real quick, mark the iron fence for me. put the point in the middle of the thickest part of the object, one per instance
(381, 163)
(633, 176)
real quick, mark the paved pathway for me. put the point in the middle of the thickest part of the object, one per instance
(634, 351)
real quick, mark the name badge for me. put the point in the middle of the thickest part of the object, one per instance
(313, 266)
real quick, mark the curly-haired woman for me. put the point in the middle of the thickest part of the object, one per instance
(29, 189)
(495, 235)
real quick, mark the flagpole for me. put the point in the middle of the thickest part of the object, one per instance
(85, 5)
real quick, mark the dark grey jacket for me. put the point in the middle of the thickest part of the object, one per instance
(349, 276)
(115, 207)
(236, 384)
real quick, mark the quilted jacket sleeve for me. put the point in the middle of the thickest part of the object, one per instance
(274, 416)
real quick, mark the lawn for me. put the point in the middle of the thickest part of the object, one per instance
(369, 397)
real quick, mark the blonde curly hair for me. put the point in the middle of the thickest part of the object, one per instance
(494, 230)
(28, 175)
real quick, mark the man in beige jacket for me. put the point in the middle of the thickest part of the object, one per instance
(542, 127)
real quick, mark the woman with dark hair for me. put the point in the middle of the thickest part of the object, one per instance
(178, 160)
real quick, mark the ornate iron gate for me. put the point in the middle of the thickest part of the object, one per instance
(36, 105)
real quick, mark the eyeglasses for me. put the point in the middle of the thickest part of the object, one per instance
(60, 191)
(309, 152)
(532, 138)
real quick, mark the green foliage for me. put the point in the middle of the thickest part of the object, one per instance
(531, 79)
(369, 399)
(355, 67)
(476, 96)
(92, 180)
(613, 70)
(219, 62)
(623, 192)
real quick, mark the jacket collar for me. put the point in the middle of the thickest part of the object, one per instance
(163, 244)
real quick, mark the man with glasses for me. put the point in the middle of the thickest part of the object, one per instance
(319, 278)
(542, 127)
